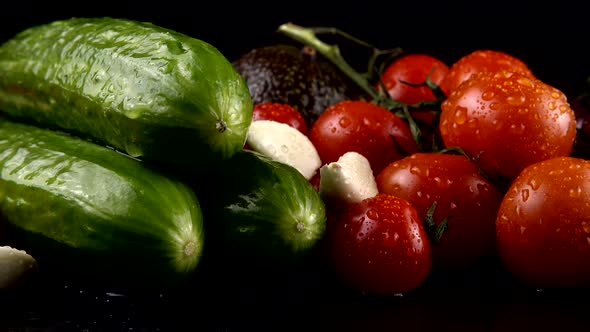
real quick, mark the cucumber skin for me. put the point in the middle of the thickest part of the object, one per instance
(252, 206)
(145, 90)
(96, 208)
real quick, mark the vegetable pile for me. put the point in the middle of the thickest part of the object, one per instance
(148, 157)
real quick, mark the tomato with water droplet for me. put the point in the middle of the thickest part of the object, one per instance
(280, 112)
(361, 126)
(507, 121)
(379, 246)
(465, 208)
(405, 77)
(478, 61)
(543, 225)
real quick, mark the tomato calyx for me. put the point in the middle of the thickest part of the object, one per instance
(434, 231)
(425, 104)
(499, 182)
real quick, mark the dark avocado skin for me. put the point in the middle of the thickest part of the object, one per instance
(287, 74)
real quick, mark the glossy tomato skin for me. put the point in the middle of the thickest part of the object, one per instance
(464, 196)
(413, 68)
(379, 246)
(481, 60)
(356, 125)
(280, 112)
(507, 121)
(543, 225)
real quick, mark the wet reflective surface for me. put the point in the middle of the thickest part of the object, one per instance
(304, 300)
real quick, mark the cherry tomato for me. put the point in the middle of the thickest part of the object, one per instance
(466, 202)
(481, 60)
(543, 224)
(371, 130)
(280, 112)
(413, 68)
(507, 121)
(380, 247)
(401, 77)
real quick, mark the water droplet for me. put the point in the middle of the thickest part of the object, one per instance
(373, 214)
(344, 122)
(516, 100)
(525, 195)
(576, 192)
(534, 183)
(460, 115)
(525, 81)
(487, 95)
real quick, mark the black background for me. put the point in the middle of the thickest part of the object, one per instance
(551, 38)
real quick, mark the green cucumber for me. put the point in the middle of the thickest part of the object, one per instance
(148, 91)
(82, 207)
(258, 210)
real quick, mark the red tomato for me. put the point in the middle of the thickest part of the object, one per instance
(414, 69)
(507, 121)
(379, 246)
(543, 224)
(481, 60)
(466, 198)
(279, 112)
(371, 130)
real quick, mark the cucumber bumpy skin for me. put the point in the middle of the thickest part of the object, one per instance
(97, 203)
(137, 87)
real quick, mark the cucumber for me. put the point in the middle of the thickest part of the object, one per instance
(261, 212)
(96, 213)
(145, 90)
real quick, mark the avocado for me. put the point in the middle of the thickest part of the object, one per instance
(300, 77)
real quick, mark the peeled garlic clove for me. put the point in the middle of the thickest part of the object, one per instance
(15, 264)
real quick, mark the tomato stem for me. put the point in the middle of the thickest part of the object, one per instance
(308, 37)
